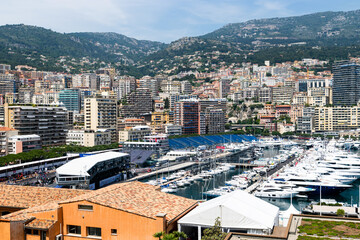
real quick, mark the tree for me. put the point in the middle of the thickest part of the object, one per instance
(215, 232)
(169, 236)
(275, 133)
(167, 103)
(340, 212)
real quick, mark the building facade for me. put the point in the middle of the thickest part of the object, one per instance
(49, 122)
(346, 83)
(101, 113)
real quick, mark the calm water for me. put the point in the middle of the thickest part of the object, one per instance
(195, 190)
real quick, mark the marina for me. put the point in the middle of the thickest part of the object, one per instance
(284, 181)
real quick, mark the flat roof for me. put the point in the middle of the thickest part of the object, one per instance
(80, 166)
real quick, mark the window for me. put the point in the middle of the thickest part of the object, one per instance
(85, 207)
(93, 231)
(74, 229)
(113, 231)
(35, 232)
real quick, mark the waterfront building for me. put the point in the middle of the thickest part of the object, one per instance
(95, 171)
(214, 120)
(305, 123)
(187, 114)
(336, 118)
(49, 122)
(346, 83)
(253, 215)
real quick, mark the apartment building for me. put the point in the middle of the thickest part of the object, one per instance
(101, 113)
(187, 114)
(336, 118)
(5, 134)
(49, 122)
(134, 134)
(138, 103)
(23, 143)
(214, 120)
(282, 94)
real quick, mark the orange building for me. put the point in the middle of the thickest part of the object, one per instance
(131, 210)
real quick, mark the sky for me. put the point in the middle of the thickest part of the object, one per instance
(157, 20)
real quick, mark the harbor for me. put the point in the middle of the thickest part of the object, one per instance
(263, 178)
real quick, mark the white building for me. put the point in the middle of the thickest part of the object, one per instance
(238, 212)
(23, 143)
(95, 170)
(171, 129)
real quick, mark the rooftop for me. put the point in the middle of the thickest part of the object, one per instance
(26, 196)
(80, 166)
(138, 198)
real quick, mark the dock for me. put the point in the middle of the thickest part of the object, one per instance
(164, 170)
(270, 172)
(244, 165)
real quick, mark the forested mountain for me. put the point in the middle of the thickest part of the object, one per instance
(326, 35)
(325, 28)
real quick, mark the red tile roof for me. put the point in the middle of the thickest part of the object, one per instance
(40, 224)
(25, 196)
(138, 198)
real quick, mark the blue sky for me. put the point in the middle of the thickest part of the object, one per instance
(159, 20)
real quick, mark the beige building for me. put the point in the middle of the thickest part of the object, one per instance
(336, 118)
(101, 113)
(100, 137)
(134, 134)
(282, 94)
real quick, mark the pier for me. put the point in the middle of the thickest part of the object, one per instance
(270, 172)
(207, 161)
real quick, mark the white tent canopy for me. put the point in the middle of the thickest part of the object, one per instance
(237, 211)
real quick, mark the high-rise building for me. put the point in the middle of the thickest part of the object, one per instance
(138, 103)
(187, 114)
(214, 120)
(346, 83)
(49, 122)
(224, 87)
(101, 113)
(71, 99)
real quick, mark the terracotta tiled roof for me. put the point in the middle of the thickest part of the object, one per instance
(28, 214)
(40, 224)
(138, 198)
(26, 197)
